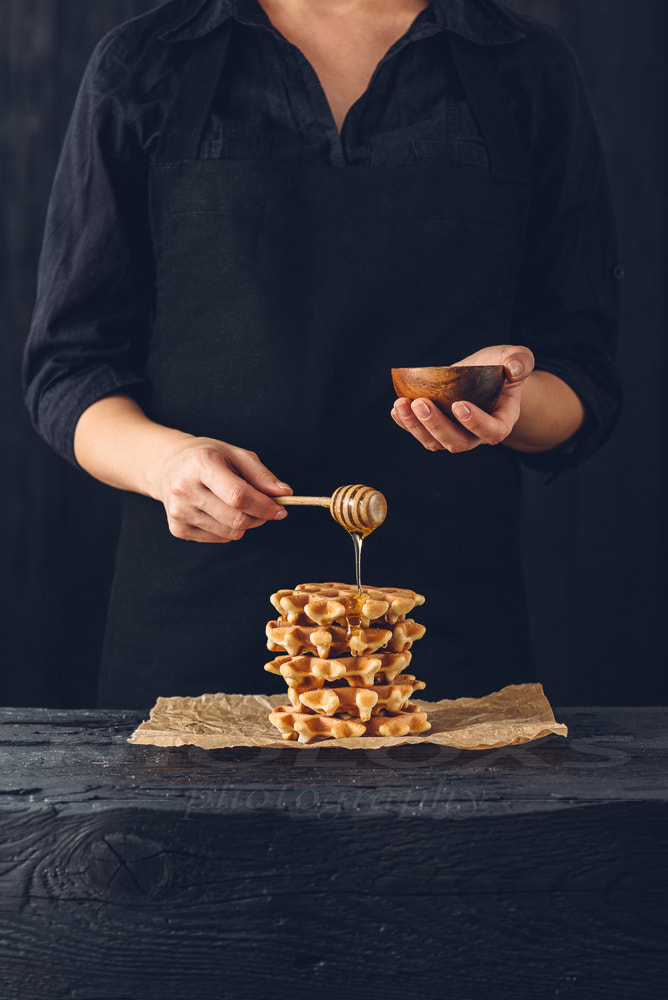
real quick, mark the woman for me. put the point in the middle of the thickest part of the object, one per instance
(261, 208)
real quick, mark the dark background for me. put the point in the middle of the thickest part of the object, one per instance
(595, 542)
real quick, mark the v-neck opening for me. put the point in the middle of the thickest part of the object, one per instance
(430, 27)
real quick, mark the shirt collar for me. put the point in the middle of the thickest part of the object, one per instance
(483, 22)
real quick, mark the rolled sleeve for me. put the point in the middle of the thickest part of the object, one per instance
(595, 379)
(92, 316)
(568, 304)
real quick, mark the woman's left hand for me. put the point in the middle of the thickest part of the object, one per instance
(470, 425)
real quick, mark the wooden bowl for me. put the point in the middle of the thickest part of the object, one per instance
(478, 384)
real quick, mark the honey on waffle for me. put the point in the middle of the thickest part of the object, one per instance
(329, 603)
(335, 640)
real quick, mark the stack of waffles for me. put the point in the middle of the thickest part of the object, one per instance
(344, 653)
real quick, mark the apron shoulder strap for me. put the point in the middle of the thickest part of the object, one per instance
(489, 102)
(185, 121)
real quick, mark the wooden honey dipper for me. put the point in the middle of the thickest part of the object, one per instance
(356, 508)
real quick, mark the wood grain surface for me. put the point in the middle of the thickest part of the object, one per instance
(530, 872)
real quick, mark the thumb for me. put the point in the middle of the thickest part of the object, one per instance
(519, 364)
(250, 468)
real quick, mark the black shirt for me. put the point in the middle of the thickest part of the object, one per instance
(93, 313)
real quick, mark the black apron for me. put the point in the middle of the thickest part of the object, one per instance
(285, 294)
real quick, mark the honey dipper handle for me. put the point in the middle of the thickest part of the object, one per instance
(305, 501)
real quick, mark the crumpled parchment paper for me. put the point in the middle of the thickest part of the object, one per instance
(516, 714)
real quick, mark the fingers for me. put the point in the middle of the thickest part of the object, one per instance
(431, 428)
(214, 492)
(469, 427)
(486, 428)
(194, 512)
(237, 481)
(190, 533)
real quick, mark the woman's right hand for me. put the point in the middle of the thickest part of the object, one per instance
(211, 491)
(214, 492)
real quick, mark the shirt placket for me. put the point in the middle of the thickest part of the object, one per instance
(309, 101)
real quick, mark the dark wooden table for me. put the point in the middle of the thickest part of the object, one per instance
(130, 871)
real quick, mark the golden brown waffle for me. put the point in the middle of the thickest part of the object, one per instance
(327, 608)
(306, 726)
(330, 603)
(404, 634)
(409, 720)
(325, 642)
(336, 640)
(308, 672)
(338, 683)
(358, 702)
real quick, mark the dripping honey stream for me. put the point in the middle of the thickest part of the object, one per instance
(356, 601)
(359, 509)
